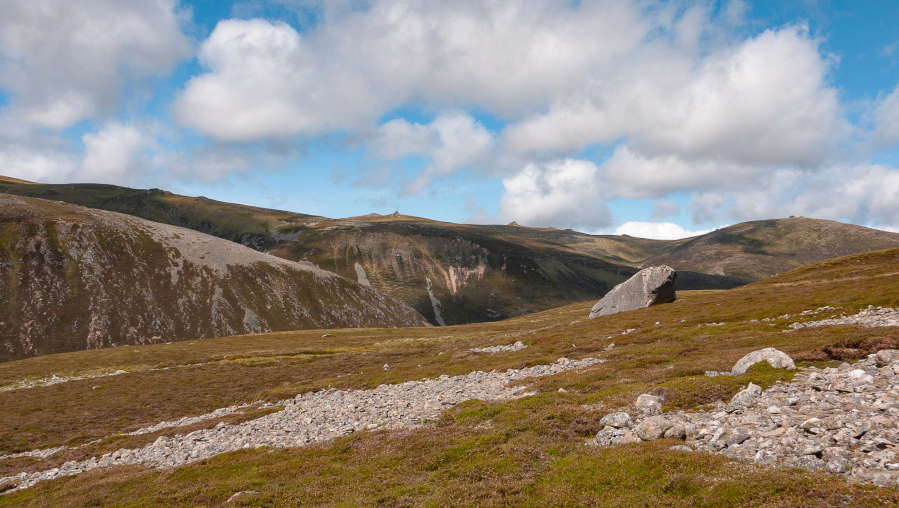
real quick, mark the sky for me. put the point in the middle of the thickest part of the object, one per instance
(659, 119)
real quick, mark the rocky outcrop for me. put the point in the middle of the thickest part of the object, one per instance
(871, 317)
(842, 420)
(75, 278)
(775, 358)
(650, 286)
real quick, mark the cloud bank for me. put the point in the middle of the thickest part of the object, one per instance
(571, 105)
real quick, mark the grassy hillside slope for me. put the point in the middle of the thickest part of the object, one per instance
(528, 452)
(75, 278)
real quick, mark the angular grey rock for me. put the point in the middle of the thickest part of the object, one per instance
(736, 436)
(653, 428)
(604, 437)
(618, 420)
(838, 465)
(745, 397)
(649, 286)
(681, 448)
(886, 356)
(777, 359)
(677, 431)
(649, 404)
(628, 437)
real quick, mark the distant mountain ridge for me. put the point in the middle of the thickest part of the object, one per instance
(463, 273)
(77, 278)
(760, 249)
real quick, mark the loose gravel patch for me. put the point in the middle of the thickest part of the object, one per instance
(317, 417)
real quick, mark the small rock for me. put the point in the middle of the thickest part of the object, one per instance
(653, 428)
(649, 404)
(628, 437)
(777, 359)
(681, 448)
(838, 465)
(810, 449)
(745, 397)
(885, 357)
(736, 436)
(677, 431)
(618, 420)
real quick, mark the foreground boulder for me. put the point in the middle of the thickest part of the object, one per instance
(650, 286)
(775, 358)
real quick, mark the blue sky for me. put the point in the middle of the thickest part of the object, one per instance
(656, 119)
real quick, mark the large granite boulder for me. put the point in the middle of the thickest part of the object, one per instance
(649, 286)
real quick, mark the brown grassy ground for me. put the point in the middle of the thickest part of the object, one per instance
(523, 453)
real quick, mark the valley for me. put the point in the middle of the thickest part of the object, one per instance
(520, 451)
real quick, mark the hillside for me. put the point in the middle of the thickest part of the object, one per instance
(78, 278)
(461, 273)
(247, 225)
(621, 249)
(456, 274)
(760, 249)
(482, 448)
(477, 273)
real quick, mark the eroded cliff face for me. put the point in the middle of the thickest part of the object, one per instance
(74, 278)
(454, 276)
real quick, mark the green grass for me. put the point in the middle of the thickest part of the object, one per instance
(528, 452)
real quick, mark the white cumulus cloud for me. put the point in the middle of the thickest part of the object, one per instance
(264, 79)
(765, 101)
(657, 230)
(66, 60)
(116, 153)
(452, 141)
(563, 193)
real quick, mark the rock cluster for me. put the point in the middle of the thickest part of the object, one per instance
(650, 286)
(318, 416)
(844, 420)
(871, 317)
(518, 346)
